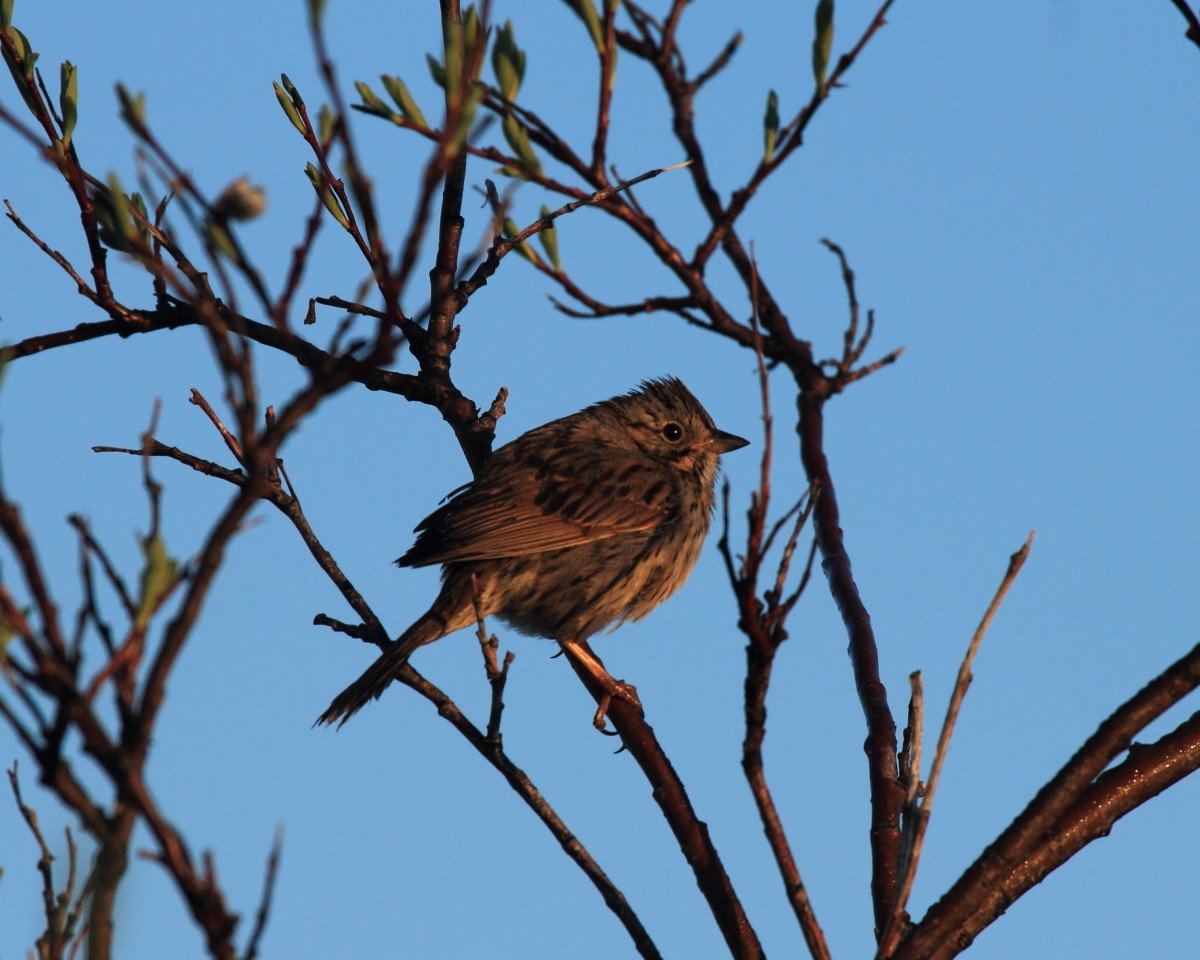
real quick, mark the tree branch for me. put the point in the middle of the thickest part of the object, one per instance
(1028, 849)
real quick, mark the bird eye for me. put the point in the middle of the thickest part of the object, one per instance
(672, 432)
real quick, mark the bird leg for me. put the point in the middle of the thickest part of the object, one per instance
(604, 686)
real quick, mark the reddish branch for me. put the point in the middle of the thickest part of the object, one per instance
(690, 831)
(1081, 803)
(67, 162)
(53, 668)
(919, 803)
(763, 619)
(488, 747)
(887, 792)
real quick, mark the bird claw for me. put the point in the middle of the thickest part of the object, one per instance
(599, 721)
(622, 691)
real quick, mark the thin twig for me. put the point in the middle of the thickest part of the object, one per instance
(268, 896)
(197, 398)
(502, 247)
(764, 624)
(919, 820)
(671, 796)
(1004, 872)
(56, 905)
(497, 676)
(62, 261)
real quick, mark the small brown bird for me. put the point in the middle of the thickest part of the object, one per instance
(579, 524)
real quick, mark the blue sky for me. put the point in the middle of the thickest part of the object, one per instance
(1015, 187)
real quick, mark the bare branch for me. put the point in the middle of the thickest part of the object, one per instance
(1026, 851)
(230, 441)
(671, 796)
(497, 676)
(268, 896)
(64, 908)
(62, 261)
(1193, 21)
(502, 247)
(764, 621)
(917, 818)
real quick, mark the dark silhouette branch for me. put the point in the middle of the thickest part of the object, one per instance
(268, 896)
(1193, 21)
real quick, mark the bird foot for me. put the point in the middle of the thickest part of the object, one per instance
(622, 691)
(587, 663)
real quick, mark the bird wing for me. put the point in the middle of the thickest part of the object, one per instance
(513, 513)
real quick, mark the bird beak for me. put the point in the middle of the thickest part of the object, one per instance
(724, 442)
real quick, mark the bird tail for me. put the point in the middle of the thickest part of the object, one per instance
(379, 675)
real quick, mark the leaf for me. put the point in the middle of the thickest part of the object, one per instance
(113, 212)
(326, 195)
(8, 630)
(21, 68)
(822, 41)
(770, 126)
(371, 101)
(523, 248)
(19, 41)
(6, 7)
(106, 222)
(141, 221)
(217, 234)
(462, 129)
(613, 51)
(454, 59)
(6, 634)
(68, 99)
(471, 24)
(508, 62)
(436, 70)
(587, 13)
(359, 187)
(472, 33)
(518, 139)
(325, 124)
(24, 50)
(158, 576)
(133, 107)
(289, 108)
(549, 240)
(399, 92)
